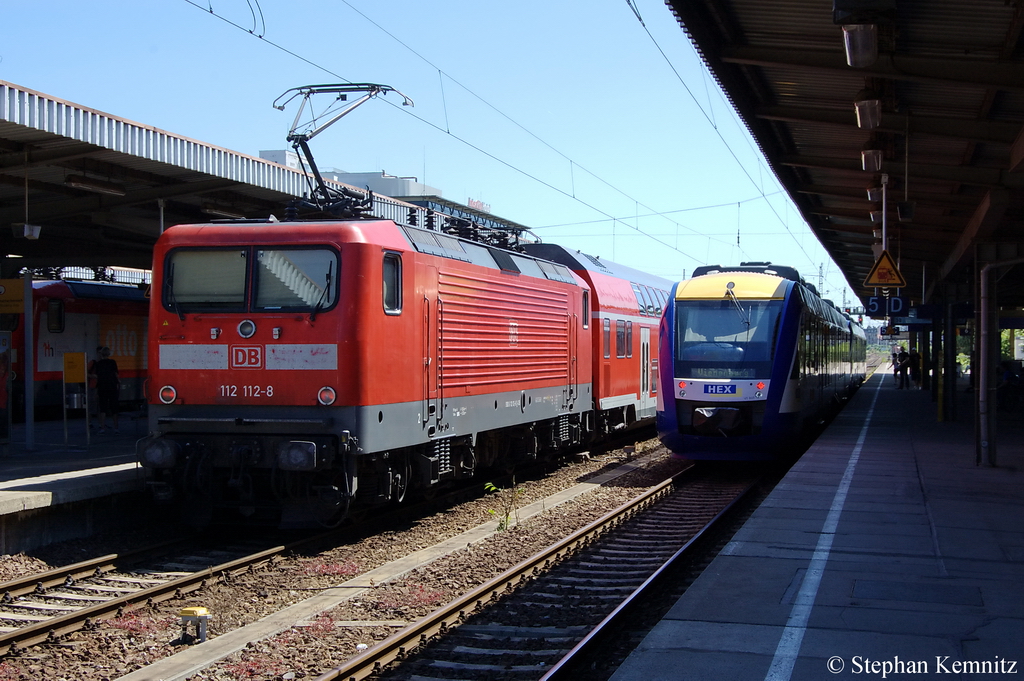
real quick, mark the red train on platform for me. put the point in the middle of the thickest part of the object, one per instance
(73, 315)
(298, 368)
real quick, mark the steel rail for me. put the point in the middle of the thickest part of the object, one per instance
(398, 645)
(55, 627)
(563, 668)
(76, 571)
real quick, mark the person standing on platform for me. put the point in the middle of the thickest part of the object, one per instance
(108, 388)
(902, 364)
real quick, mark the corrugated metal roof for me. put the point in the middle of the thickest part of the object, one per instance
(45, 140)
(951, 77)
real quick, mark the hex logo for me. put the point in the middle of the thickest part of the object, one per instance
(246, 356)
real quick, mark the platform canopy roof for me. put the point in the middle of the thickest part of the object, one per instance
(949, 78)
(99, 187)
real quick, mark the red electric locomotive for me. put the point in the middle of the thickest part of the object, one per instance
(298, 366)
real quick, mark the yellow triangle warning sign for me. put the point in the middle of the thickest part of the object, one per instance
(885, 273)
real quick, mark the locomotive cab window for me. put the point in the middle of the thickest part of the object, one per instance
(296, 279)
(586, 309)
(720, 339)
(392, 275)
(199, 280)
(217, 279)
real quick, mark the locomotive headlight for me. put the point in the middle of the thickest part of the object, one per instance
(159, 453)
(326, 396)
(758, 394)
(296, 456)
(168, 394)
(246, 328)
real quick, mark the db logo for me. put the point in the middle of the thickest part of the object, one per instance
(246, 356)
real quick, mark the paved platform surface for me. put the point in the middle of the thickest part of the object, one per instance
(54, 453)
(885, 553)
(59, 470)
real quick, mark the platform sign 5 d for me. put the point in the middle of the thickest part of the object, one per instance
(880, 306)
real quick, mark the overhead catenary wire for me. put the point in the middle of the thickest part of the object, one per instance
(573, 165)
(462, 140)
(715, 127)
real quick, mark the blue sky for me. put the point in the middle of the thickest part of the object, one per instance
(566, 117)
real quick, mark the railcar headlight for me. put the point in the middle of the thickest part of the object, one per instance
(168, 394)
(326, 396)
(246, 328)
(296, 456)
(159, 453)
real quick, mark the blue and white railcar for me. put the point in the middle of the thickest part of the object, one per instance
(753, 359)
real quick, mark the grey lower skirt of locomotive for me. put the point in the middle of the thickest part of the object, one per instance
(230, 470)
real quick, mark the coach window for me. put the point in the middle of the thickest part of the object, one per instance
(55, 315)
(392, 283)
(641, 303)
(649, 306)
(629, 339)
(620, 338)
(586, 309)
(607, 338)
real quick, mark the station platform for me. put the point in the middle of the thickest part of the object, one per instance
(885, 552)
(59, 449)
(63, 486)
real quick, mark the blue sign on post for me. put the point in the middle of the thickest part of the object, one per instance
(881, 306)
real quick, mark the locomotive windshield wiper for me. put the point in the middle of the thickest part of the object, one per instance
(171, 298)
(327, 287)
(744, 316)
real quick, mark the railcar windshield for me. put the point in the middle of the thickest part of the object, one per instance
(250, 279)
(726, 338)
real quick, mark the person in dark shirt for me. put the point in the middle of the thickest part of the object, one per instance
(108, 384)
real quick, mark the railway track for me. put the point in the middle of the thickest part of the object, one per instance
(45, 606)
(533, 619)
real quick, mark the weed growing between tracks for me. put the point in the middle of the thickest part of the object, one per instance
(508, 503)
